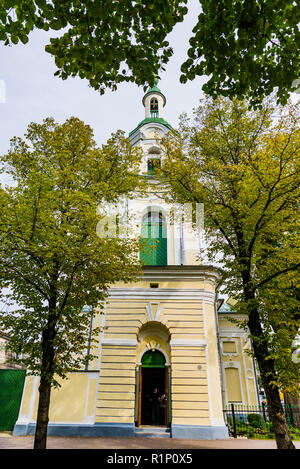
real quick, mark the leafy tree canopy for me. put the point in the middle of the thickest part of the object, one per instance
(247, 48)
(106, 42)
(244, 167)
(51, 256)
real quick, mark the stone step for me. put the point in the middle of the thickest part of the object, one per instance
(152, 432)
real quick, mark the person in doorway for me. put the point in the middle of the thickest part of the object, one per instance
(163, 401)
(155, 406)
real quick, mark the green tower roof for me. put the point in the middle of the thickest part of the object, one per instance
(151, 119)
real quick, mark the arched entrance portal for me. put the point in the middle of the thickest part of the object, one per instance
(153, 406)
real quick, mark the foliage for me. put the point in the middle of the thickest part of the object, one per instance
(106, 42)
(51, 258)
(244, 168)
(281, 299)
(247, 48)
(256, 428)
(256, 420)
(246, 172)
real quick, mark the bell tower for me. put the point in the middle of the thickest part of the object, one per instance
(154, 101)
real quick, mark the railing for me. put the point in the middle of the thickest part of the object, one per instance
(255, 422)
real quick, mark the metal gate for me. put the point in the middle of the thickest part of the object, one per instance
(11, 389)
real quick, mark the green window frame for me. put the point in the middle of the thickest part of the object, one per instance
(153, 359)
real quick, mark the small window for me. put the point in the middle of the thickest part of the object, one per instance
(153, 285)
(154, 104)
(153, 164)
(229, 347)
(154, 107)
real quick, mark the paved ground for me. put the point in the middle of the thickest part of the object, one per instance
(26, 442)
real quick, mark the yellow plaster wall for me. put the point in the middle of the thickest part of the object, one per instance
(213, 364)
(184, 320)
(27, 395)
(189, 386)
(73, 402)
(116, 390)
(242, 390)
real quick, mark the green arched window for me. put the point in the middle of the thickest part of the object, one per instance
(154, 239)
(153, 359)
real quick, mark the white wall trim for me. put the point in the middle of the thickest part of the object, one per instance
(207, 365)
(188, 343)
(229, 339)
(121, 342)
(99, 357)
(151, 315)
(162, 294)
(28, 418)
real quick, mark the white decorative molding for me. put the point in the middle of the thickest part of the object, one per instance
(162, 294)
(231, 332)
(122, 342)
(159, 349)
(188, 343)
(152, 314)
(236, 365)
(28, 418)
(233, 340)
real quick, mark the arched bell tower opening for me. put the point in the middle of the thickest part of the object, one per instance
(154, 107)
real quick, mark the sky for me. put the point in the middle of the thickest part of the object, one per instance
(29, 91)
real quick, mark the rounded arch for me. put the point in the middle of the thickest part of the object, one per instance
(154, 150)
(154, 328)
(161, 350)
(153, 335)
(155, 208)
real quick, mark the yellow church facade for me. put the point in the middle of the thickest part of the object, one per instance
(169, 358)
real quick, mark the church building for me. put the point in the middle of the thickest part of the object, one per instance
(169, 358)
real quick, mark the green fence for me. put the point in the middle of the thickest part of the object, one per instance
(11, 388)
(255, 422)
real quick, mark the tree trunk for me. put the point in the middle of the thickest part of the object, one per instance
(40, 440)
(47, 372)
(267, 372)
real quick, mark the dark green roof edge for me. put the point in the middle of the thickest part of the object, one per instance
(151, 119)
